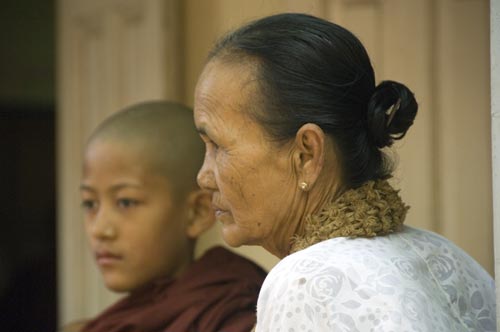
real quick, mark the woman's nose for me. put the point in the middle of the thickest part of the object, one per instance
(205, 178)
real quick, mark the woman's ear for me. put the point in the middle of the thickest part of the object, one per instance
(200, 215)
(309, 155)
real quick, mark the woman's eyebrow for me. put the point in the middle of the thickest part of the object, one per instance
(201, 131)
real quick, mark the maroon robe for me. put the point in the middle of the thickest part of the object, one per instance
(217, 293)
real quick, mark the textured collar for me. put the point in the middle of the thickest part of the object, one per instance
(374, 209)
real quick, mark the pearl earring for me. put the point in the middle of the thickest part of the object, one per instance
(303, 186)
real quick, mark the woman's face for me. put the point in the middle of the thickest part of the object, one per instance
(252, 179)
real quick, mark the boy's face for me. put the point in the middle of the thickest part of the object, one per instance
(135, 232)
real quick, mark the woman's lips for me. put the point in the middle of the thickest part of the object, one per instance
(219, 213)
(106, 258)
(218, 210)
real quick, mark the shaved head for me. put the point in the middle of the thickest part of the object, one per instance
(166, 137)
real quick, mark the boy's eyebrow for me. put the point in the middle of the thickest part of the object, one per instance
(86, 187)
(119, 186)
(113, 188)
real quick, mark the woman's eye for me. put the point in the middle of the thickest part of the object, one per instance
(209, 143)
(126, 203)
(89, 204)
(212, 146)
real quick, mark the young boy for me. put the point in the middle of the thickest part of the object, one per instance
(143, 213)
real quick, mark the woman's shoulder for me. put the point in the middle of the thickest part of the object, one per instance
(410, 250)
(441, 254)
(410, 273)
(338, 260)
(342, 253)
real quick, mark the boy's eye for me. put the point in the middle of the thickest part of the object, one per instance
(127, 203)
(89, 204)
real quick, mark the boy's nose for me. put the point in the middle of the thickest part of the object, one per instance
(103, 226)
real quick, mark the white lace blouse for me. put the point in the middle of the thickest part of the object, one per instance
(413, 280)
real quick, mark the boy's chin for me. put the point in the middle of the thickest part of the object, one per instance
(118, 285)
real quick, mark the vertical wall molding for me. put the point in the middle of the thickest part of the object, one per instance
(463, 137)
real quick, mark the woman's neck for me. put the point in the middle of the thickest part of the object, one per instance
(308, 203)
(374, 209)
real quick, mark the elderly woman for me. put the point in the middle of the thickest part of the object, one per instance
(294, 128)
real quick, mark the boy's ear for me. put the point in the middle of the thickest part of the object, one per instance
(200, 215)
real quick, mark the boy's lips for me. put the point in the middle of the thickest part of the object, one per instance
(106, 258)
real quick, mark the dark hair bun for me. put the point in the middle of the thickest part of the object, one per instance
(391, 112)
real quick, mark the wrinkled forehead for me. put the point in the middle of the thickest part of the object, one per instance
(228, 75)
(226, 87)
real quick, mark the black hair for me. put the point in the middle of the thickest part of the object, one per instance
(310, 70)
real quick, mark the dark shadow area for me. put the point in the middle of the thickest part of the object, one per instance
(28, 277)
(27, 240)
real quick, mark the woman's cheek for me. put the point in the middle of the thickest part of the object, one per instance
(236, 180)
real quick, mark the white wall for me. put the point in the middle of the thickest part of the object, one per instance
(495, 133)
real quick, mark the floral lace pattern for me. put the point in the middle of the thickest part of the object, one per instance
(412, 280)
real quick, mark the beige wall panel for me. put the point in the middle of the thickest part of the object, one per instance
(362, 18)
(464, 176)
(408, 58)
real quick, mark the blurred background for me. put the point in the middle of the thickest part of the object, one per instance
(28, 277)
(67, 64)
